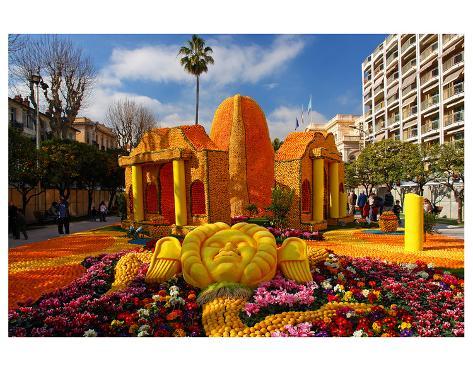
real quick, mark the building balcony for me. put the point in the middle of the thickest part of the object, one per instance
(379, 107)
(453, 61)
(453, 90)
(376, 52)
(391, 58)
(379, 127)
(378, 71)
(408, 90)
(453, 118)
(430, 126)
(378, 89)
(393, 119)
(392, 78)
(424, 79)
(410, 133)
(367, 80)
(408, 44)
(368, 113)
(408, 66)
(429, 51)
(447, 38)
(429, 102)
(390, 39)
(409, 112)
(392, 99)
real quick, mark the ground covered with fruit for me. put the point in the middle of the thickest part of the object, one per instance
(363, 285)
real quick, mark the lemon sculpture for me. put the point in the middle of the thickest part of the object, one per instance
(226, 263)
(243, 253)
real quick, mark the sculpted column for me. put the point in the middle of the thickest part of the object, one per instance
(318, 190)
(137, 185)
(180, 205)
(333, 189)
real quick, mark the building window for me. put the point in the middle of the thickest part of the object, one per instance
(197, 198)
(306, 198)
(12, 115)
(151, 198)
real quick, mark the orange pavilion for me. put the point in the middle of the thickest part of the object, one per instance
(181, 176)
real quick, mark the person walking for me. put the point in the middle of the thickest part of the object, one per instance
(397, 211)
(12, 224)
(93, 213)
(372, 207)
(388, 201)
(103, 211)
(361, 201)
(351, 203)
(20, 225)
(63, 216)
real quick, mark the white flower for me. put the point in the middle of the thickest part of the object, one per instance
(143, 312)
(337, 288)
(410, 266)
(351, 269)
(326, 284)
(155, 297)
(90, 333)
(423, 274)
(350, 314)
(365, 292)
(358, 333)
(144, 328)
(431, 265)
(142, 333)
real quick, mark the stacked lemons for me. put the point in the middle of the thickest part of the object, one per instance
(127, 268)
(316, 255)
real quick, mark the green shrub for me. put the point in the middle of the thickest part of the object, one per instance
(281, 202)
(429, 222)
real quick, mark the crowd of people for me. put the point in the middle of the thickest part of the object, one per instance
(373, 205)
(59, 212)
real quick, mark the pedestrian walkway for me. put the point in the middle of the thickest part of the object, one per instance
(50, 231)
(450, 230)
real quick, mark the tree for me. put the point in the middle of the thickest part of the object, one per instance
(25, 166)
(114, 178)
(62, 164)
(195, 60)
(129, 121)
(417, 164)
(277, 143)
(68, 75)
(449, 167)
(362, 172)
(281, 203)
(92, 170)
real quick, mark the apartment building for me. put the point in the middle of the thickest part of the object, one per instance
(413, 89)
(22, 116)
(94, 133)
(347, 137)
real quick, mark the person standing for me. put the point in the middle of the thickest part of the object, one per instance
(372, 207)
(103, 211)
(63, 216)
(397, 210)
(20, 225)
(361, 201)
(388, 201)
(12, 224)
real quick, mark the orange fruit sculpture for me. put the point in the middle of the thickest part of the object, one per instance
(388, 222)
(239, 126)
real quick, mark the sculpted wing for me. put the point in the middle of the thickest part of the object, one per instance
(293, 260)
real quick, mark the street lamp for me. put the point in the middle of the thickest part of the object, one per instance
(366, 133)
(36, 79)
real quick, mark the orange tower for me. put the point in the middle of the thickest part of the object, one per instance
(239, 127)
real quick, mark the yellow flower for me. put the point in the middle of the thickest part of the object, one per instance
(405, 325)
(376, 326)
(348, 295)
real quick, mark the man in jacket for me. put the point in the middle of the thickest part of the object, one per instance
(63, 216)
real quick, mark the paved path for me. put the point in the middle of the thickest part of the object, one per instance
(50, 231)
(450, 230)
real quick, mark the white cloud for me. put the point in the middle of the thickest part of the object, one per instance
(282, 120)
(233, 62)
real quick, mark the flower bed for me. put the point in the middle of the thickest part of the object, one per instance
(282, 234)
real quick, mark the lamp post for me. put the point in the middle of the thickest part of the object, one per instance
(36, 79)
(365, 133)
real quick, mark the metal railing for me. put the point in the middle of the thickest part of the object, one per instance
(393, 56)
(408, 65)
(453, 90)
(390, 37)
(392, 99)
(409, 133)
(456, 59)
(429, 101)
(408, 43)
(430, 50)
(453, 117)
(429, 76)
(378, 69)
(446, 38)
(378, 89)
(379, 126)
(393, 77)
(409, 88)
(378, 107)
(409, 111)
(393, 119)
(369, 112)
(430, 125)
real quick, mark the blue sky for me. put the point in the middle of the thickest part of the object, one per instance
(279, 71)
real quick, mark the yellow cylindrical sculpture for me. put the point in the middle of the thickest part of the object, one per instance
(414, 219)
(333, 189)
(180, 205)
(137, 185)
(318, 190)
(342, 207)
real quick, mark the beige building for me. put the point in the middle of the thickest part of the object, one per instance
(347, 137)
(22, 116)
(94, 133)
(413, 89)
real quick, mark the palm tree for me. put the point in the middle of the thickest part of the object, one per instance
(196, 57)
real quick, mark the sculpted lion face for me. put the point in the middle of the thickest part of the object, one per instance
(244, 253)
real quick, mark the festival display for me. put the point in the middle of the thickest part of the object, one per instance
(388, 222)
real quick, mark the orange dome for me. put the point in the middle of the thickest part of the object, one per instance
(239, 127)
